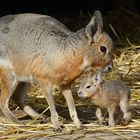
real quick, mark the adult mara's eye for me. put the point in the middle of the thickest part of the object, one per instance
(103, 49)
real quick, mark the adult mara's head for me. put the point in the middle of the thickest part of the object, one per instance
(100, 47)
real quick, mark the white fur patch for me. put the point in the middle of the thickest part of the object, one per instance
(5, 63)
(24, 78)
(84, 64)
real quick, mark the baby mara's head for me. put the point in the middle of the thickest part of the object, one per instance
(90, 85)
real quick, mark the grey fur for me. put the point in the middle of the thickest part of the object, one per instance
(109, 94)
(38, 48)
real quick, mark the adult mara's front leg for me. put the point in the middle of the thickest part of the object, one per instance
(71, 105)
(47, 90)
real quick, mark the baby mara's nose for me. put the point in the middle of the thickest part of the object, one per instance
(80, 93)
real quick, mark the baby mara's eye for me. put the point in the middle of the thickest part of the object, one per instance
(88, 86)
(103, 49)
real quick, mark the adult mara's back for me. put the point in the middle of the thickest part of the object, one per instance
(38, 48)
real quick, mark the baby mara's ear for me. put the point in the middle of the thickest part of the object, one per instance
(94, 27)
(97, 79)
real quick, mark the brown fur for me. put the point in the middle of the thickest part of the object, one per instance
(38, 48)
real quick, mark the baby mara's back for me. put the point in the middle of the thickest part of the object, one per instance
(112, 92)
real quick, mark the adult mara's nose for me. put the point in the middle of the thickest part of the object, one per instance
(108, 68)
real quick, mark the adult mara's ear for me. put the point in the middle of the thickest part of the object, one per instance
(95, 26)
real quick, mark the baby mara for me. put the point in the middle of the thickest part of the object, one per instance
(112, 95)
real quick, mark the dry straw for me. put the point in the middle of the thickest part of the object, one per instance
(126, 67)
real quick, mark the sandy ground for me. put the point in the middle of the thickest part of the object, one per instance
(90, 131)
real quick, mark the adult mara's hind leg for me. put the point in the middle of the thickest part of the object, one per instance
(19, 97)
(9, 84)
